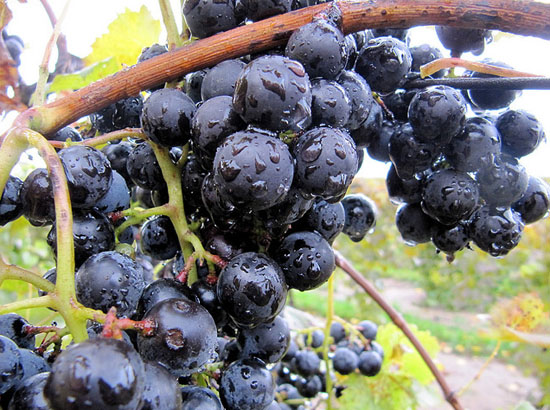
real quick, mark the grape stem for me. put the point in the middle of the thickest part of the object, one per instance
(515, 16)
(327, 340)
(398, 320)
(38, 302)
(174, 39)
(499, 83)
(8, 271)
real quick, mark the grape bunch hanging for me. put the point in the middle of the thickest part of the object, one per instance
(262, 151)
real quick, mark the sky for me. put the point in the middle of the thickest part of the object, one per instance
(87, 20)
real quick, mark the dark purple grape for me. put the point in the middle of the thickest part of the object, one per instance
(11, 206)
(193, 84)
(159, 239)
(370, 363)
(306, 362)
(195, 397)
(30, 394)
(192, 176)
(11, 369)
(314, 339)
(360, 95)
(450, 239)
(66, 133)
(92, 232)
(214, 120)
(398, 103)
(253, 170)
(403, 190)
(184, 339)
(461, 40)
(326, 162)
(208, 17)
(503, 182)
(319, 46)
(31, 364)
(224, 245)
(368, 329)
(345, 360)
(437, 114)
(14, 327)
(117, 154)
(117, 197)
(267, 341)
(310, 386)
(535, 201)
(325, 218)
(15, 47)
(161, 391)
(476, 147)
(384, 62)
(306, 259)
(413, 224)
(208, 298)
(127, 113)
(246, 385)
(520, 132)
(102, 120)
(360, 213)
(252, 289)
(258, 9)
(370, 129)
(274, 92)
(221, 79)
(110, 279)
(449, 196)
(398, 33)
(424, 54)
(166, 117)
(144, 169)
(96, 374)
(379, 148)
(495, 230)
(290, 210)
(337, 331)
(330, 105)
(88, 172)
(159, 290)
(152, 51)
(491, 99)
(408, 154)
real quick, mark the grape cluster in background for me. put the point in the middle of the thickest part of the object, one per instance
(266, 147)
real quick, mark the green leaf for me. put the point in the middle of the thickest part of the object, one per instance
(82, 78)
(128, 34)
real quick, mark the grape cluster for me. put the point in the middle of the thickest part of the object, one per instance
(266, 147)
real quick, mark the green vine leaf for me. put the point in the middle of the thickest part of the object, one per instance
(82, 78)
(128, 34)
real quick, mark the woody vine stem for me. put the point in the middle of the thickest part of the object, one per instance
(519, 17)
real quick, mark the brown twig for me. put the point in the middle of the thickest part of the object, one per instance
(514, 16)
(398, 320)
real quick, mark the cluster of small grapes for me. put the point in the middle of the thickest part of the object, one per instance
(457, 177)
(300, 375)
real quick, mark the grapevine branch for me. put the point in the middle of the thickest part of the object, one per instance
(398, 320)
(514, 16)
(503, 83)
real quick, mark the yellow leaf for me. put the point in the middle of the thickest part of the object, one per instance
(128, 34)
(523, 313)
(5, 14)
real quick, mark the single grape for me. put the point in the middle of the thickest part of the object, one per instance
(379, 147)
(208, 17)
(461, 40)
(117, 197)
(370, 129)
(368, 329)
(117, 154)
(143, 168)
(37, 198)
(413, 224)
(306, 362)
(110, 279)
(370, 363)
(503, 182)
(330, 104)
(403, 190)
(345, 360)
(337, 331)
(360, 214)
(520, 132)
(325, 218)
(158, 238)
(67, 133)
(535, 201)
(424, 54)
(491, 99)
(360, 95)
(195, 397)
(246, 385)
(274, 92)
(306, 259)
(161, 390)
(159, 290)
(96, 374)
(258, 9)
(252, 289)
(451, 239)
(320, 47)
(11, 369)
(184, 339)
(11, 206)
(310, 386)
(30, 394)
(166, 117)
(267, 341)
(221, 79)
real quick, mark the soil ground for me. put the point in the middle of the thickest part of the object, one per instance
(500, 386)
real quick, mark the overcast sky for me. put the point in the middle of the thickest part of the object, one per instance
(87, 20)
